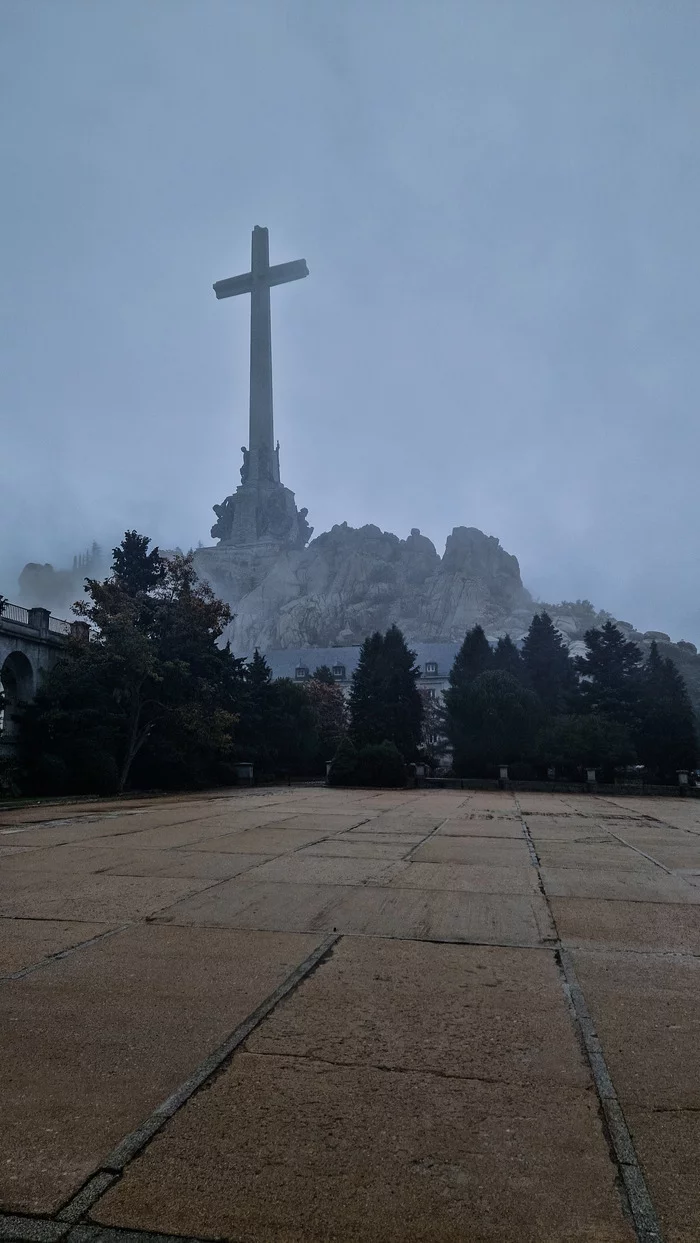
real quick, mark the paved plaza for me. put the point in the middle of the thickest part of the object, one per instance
(306, 1015)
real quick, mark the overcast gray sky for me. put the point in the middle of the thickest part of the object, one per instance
(499, 204)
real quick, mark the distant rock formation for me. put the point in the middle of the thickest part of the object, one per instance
(57, 590)
(351, 581)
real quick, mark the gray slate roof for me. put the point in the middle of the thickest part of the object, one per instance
(284, 661)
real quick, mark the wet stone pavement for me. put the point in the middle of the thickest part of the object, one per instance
(307, 1015)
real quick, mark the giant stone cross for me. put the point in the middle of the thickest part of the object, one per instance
(261, 461)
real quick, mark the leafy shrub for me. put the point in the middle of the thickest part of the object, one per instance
(344, 765)
(380, 764)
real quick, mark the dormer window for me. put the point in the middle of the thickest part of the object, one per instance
(301, 673)
(431, 666)
(339, 672)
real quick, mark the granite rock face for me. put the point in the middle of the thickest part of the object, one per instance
(351, 581)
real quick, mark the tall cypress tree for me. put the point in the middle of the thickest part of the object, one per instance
(666, 737)
(548, 668)
(384, 701)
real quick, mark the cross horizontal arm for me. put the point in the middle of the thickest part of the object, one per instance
(233, 285)
(283, 272)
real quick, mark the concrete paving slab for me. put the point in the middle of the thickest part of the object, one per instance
(508, 919)
(266, 841)
(503, 919)
(323, 822)
(492, 851)
(175, 836)
(26, 941)
(391, 823)
(93, 1042)
(570, 826)
(347, 848)
(200, 865)
(310, 870)
(503, 1014)
(469, 877)
(630, 886)
(325, 1152)
(510, 828)
(489, 800)
(105, 899)
(248, 903)
(607, 854)
(678, 856)
(647, 1013)
(650, 927)
(549, 804)
(668, 1143)
(377, 836)
(73, 858)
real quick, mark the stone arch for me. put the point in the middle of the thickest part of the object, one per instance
(17, 683)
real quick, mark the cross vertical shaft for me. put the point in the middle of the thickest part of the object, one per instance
(261, 440)
(260, 459)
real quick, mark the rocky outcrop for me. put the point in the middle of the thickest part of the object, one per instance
(351, 581)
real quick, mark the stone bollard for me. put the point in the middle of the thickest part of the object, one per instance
(244, 774)
(682, 774)
(590, 776)
(502, 775)
(39, 619)
(329, 765)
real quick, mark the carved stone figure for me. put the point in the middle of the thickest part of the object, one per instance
(224, 513)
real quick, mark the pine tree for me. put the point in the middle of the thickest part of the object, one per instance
(611, 676)
(474, 657)
(548, 669)
(257, 671)
(324, 674)
(666, 736)
(385, 704)
(507, 658)
(136, 570)
(493, 720)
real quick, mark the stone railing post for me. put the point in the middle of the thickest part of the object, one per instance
(39, 620)
(80, 630)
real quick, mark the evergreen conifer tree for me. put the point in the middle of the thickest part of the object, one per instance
(474, 657)
(324, 674)
(612, 682)
(493, 720)
(385, 704)
(548, 668)
(507, 658)
(666, 736)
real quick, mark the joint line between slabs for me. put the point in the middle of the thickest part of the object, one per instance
(66, 953)
(646, 1224)
(114, 1164)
